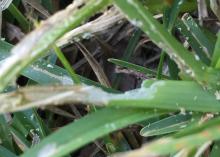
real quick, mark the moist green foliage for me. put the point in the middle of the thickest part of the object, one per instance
(181, 109)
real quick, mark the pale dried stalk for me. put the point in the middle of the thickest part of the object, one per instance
(99, 72)
(51, 95)
(60, 112)
(182, 153)
(36, 5)
(202, 10)
(102, 23)
(0, 24)
(4, 4)
(215, 6)
(203, 148)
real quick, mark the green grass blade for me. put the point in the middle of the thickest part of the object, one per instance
(25, 25)
(20, 139)
(173, 70)
(53, 74)
(29, 120)
(173, 13)
(40, 126)
(86, 130)
(20, 123)
(6, 153)
(48, 4)
(169, 19)
(163, 53)
(198, 34)
(197, 127)
(215, 149)
(216, 55)
(157, 6)
(160, 65)
(161, 95)
(66, 64)
(132, 45)
(141, 69)
(194, 44)
(133, 42)
(7, 15)
(5, 136)
(167, 125)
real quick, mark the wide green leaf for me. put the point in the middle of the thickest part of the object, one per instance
(85, 130)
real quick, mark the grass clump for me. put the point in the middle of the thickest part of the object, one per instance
(124, 71)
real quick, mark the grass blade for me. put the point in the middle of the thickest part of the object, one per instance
(167, 125)
(6, 153)
(141, 69)
(132, 45)
(133, 41)
(193, 27)
(20, 139)
(6, 137)
(157, 6)
(215, 150)
(29, 120)
(48, 4)
(169, 18)
(194, 44)
(86, 130)
(158, 95)
(173, 13)
(216, 55)
(25, 25)
(98, 70)
(66, 64)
